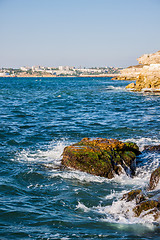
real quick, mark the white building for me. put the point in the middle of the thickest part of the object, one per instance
(38, 69)
(25, 68)
(64, 68)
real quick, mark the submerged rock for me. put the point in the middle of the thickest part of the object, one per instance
(152, 148)
(102, 157)
(154, 180)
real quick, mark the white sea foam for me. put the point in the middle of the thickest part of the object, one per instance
(82, 207)
(120, 212)
(78, 175)
(114, 194)
(141, 142)
(53, 154)
(115, 88)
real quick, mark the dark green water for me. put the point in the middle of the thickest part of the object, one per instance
(38, 118)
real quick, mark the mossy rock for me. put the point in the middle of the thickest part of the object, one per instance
(152, 205)
(155, 178)
(101, 156)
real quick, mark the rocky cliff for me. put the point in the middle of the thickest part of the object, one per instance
(149, 78)
(130, 73)
(146, 74)
(153, 58)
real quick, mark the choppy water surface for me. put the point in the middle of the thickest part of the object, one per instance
(39, 117)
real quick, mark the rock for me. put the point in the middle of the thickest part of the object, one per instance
(149, 78)
(134, 195)
(147, 203)
(146, 74)
(153, 58)
(131, 86)
(152, 148)
(152, 205)
(129, 73)
(102, 157)
(154, 180)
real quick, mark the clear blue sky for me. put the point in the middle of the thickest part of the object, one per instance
(77, 32)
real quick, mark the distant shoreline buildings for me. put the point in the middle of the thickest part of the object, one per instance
(40, 71)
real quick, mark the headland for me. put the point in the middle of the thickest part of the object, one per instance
(146, 73)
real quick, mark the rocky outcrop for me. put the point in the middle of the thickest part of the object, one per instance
(131, 86)
(153, 58)
(149, 78)
(108, 157)
(101, 156)
(130, 73)
(146, 74)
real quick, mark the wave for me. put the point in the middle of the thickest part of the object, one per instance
(52, 155)
(141, 142)
(118, 211)
(51, 159)
(115, 88)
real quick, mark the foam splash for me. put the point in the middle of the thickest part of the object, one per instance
(120, 212)
(115, 88)
(115, 195)
(82, 207)
(141, 142)
(72, 174)
(53, 154)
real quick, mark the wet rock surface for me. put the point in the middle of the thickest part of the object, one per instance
(155, 178)
(102, 157)
(134, 195)
(152, 148)
(147, 201)
(152, 206)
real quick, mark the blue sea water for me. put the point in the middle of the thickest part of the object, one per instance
(38, 118)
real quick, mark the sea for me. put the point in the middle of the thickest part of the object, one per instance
(39, 199)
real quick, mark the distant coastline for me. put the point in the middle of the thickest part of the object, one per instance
(54, 76)
(61, 71)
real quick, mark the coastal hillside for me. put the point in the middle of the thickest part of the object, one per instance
(146, 74)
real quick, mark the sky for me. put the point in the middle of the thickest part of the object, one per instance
(86, 33)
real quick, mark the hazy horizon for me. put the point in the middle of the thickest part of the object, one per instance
(86, 33)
